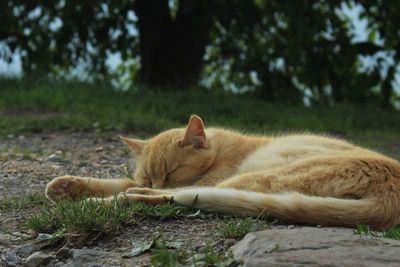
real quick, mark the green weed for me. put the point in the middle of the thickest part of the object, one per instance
(240, 227)
(96, 217)
(393, 233)
(363, 229)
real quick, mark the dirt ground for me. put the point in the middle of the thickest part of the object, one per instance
(28, 162)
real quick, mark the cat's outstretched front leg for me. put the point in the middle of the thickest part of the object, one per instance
(74, 188)
(146, 195)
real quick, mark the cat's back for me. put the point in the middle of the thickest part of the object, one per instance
(283, 150)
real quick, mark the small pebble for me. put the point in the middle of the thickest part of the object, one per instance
(63, 253)
(38, 259)
(229, 242)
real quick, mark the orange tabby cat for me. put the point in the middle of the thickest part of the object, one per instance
(300, 178)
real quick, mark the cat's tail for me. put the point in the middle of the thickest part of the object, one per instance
(290, 206)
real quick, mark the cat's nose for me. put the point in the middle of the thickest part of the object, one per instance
(149, 183)
(144, 182)
(158, 184)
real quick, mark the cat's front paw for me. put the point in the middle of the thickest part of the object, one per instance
(67, 188)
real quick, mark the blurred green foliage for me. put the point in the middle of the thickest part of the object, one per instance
(36, 106)
(282, 50)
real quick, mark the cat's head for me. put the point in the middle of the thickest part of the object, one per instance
(173, 158)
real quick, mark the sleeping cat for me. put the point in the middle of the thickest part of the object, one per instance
(299, 178)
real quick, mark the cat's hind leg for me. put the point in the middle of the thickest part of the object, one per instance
(74, 188)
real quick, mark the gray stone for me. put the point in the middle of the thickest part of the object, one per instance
(11, 258)
(98, 149)
(55, 263)
(15, 256)
(307, 246)
(63, 253)
(89, 257)
(38, 259)
(88, 253)
(56, 158)
(26, 249)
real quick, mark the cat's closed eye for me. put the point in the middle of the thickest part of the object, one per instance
(171, 172)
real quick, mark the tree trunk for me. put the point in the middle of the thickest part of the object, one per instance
(386, 87)
(172, 49)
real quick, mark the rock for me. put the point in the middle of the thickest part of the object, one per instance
(56, 158)
(55, 263)
(15, 256)
(25, 250)
(38, 259)
(307, 246)
(98, 149)
(88, 253)
(11, 259)
(89, 257)
(63, 253)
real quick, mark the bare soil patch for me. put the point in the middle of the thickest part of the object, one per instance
(29, 162)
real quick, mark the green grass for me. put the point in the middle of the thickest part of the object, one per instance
(35, 106)
(92, 217)
(393, 233)
(240, 227)
(87, 217)
(363, 229)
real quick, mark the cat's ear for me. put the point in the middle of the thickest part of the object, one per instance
(195, 133)
(135, 144)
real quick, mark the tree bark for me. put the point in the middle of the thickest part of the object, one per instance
(172, 49)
